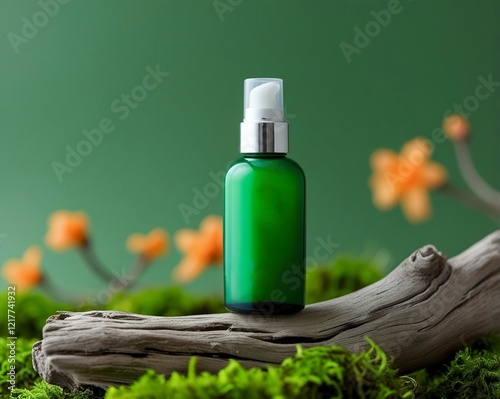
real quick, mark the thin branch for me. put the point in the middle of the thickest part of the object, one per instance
(94, 263)
(476, 183)
(139, 266)
(55, 292)
(471, 200)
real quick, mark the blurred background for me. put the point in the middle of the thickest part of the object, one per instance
(70, 67)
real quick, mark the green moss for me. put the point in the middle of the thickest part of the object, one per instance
(345, 274)
(42, 390)
(25, 375)
(472, 373)
(320, 372)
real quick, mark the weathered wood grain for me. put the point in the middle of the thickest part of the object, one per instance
(422, 311)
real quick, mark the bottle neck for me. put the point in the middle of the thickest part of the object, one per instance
(264, 137)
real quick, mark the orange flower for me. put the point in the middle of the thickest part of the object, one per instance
(152, 245)
(201, 248)
(24, 273)
(456, 127)
(406, 177)
(66, 230)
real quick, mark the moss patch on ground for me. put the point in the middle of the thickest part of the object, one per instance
(471, 373)
(321, 372)
(20, 358)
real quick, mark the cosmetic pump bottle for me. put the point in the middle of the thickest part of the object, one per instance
(264, 211)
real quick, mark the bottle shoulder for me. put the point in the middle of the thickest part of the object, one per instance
(264, 160)
(295, 164)
(256, 164)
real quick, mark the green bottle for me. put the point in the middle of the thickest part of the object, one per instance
(264, 211)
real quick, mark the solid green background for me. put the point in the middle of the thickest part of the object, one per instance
(91, 52)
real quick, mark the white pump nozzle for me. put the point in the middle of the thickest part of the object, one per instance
(264, 99)
(264, 96)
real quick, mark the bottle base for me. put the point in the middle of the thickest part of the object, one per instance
(264, 308)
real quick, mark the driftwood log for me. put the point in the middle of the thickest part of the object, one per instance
(421, 312)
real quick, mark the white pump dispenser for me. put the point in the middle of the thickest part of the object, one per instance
(264, 129)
